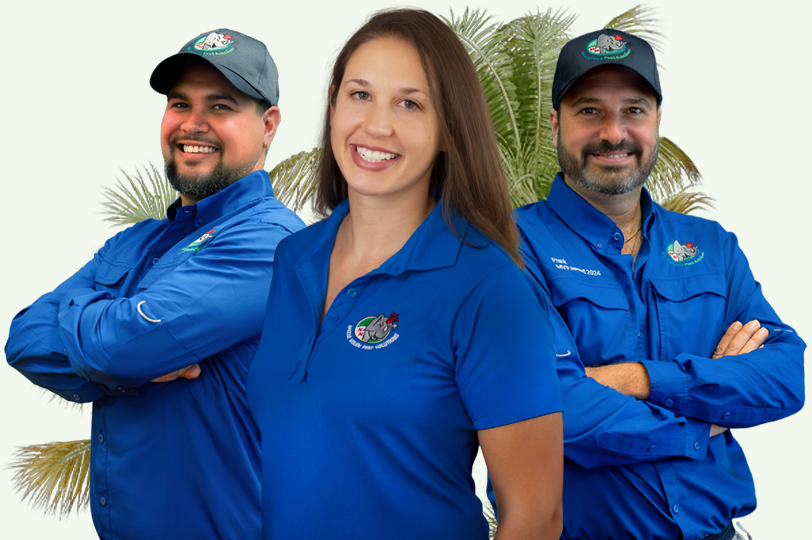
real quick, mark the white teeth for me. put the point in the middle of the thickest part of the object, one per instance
(616, 156)
(373, 156)
(190, 149)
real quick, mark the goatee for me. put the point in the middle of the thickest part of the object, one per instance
(201, 186)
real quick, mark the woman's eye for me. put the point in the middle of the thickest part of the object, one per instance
(361, 95)
(409, 104)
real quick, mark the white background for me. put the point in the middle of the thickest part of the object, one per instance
(77, 106)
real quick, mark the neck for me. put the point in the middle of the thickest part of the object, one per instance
(624, 209)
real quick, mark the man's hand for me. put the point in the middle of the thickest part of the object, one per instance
(189, 372)
(741, 339)
(629, 378)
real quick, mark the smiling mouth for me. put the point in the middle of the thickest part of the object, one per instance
(197, 149)
(374, 156)
(618, 155)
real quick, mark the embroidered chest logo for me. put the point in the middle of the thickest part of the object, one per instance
(683, 254)
(213, 44)
(197, 244)
(374, 332)
(606, 47)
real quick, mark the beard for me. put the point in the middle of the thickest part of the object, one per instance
(607, 180)
(202, 185)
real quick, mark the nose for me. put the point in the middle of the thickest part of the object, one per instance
(195, 121)
(613, 129)
(378, 122)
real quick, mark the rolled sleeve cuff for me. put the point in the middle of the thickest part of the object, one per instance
(669, 386)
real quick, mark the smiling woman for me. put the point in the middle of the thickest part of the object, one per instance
(383, 363)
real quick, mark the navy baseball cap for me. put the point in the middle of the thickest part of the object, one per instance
(243, 60)
(600, 48)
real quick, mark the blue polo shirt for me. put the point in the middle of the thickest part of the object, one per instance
(648, 469)
(369, 419)
(177, 459)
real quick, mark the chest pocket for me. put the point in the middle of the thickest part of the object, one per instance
(690, 313)
(598, 318)
(111, 277)
(169, 262)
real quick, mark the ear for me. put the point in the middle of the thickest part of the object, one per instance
(270, 120)
(659, 116)
(330, 103)
(554, 126)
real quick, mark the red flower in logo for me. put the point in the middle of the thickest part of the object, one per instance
(393, 318)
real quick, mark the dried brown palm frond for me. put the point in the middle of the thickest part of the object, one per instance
(142, 199)
(686, 202)
(53, 477)
(295, 180)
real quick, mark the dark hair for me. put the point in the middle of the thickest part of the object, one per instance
(467, 176)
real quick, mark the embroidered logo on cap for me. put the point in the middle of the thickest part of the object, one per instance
(197, 244)
(372, 332)
(213, 43)
(606, 47)
(683, 254)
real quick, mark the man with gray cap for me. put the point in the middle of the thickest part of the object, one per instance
(159, 329)
(655, 366)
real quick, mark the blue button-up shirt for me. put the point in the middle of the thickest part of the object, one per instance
(648, 469)
(370, 415)
(178, 459)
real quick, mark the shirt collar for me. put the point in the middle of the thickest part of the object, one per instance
(586, 220)
(256, 185)
(433, 245)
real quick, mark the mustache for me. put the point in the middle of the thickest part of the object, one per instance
(601, 147)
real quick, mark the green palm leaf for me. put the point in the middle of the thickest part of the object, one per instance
(296, 179)
(142, 199)
(54, 476)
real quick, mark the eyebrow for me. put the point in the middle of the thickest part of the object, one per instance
(587, 100)
(365, 84)
(219, 96)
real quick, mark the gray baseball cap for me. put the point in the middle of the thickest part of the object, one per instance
(599, 48)
(243, 60)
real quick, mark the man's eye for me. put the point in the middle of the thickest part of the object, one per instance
(178, 105)
(588, 110)
(221, 107)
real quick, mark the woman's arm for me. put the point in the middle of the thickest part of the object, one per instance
(525, 462)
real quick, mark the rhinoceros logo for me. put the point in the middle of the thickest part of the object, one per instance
(607, 45)
(680, 252)
(375, 329)
(214, 42)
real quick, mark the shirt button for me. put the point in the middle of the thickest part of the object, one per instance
(697, 445)
(675, 509)
(77, 397)
(155, 260)
(616, 236)
(652, 448)
(197, 226)
(122, 389)
(600, 246)
(334, 317)
(726, 416)
(669, 402)
(101, 437)
(352, 293)
(103, 501)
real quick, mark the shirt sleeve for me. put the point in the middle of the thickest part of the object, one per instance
(736, 391)
(35, 349)
(603, 427)
(503, 340)
(209, 302)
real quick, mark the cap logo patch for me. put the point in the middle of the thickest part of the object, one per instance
(213, 44)
(606, 47)
(686, 254)
(372, 332)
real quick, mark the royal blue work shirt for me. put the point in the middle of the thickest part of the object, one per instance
(648, 469)
(177, 459)
(370, 418)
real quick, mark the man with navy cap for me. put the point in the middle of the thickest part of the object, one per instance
(665, 342)
(159, 329)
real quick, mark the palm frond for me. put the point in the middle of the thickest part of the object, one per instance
(640, 21)
(490, 516)
(53, 477)
(295, 180)
(485, 45)
(673, 172)
(686, 202)
(143, 199)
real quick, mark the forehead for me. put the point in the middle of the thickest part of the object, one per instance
(389, 58)
(606, 81)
